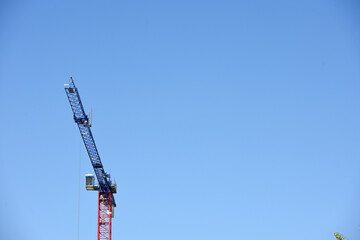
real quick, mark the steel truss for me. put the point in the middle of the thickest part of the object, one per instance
(104, 215)
(106, 201)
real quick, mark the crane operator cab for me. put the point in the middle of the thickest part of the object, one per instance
(89, 183)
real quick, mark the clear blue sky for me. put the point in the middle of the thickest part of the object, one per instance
(220, 120)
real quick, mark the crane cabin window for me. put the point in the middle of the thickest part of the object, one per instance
(89, 180)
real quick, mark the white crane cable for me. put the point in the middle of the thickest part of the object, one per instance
(79, 182)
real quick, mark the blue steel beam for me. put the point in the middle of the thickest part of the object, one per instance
(82, 121)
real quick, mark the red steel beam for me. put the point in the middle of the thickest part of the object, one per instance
(104, 215)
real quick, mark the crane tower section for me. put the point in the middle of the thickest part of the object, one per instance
(106, 188)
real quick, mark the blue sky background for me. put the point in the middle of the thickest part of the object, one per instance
(219, 119)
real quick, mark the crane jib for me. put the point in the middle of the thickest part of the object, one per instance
(82, 121)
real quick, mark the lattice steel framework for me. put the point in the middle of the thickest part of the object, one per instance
(106, 200)
(104, 216)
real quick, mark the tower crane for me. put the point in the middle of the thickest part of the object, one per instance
(106, 188)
